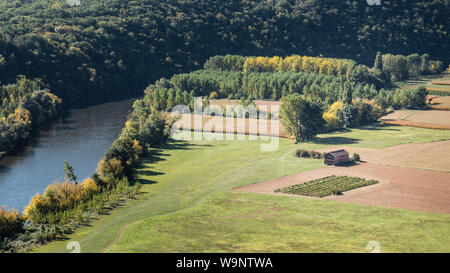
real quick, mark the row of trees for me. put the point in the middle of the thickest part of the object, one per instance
(296, 63)
(25, 105)
(145, 128)
(403, 98)
(399, 67)
(324, 89)
(344, 68)
(108, 49)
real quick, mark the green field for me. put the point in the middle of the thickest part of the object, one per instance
(433, 89)
(188, 205)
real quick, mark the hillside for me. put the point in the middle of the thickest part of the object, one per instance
(109, 49)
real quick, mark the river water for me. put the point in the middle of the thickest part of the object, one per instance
(81, 138)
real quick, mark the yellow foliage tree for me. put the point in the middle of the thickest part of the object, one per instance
(331, 118)
(295, 63)
(112, 165)
(10, 222)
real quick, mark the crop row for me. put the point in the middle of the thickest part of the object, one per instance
(327, 186)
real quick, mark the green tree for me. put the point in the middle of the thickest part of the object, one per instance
(69, 172)
(378, 61)
(348, 115)
(424, 63)
(301, 117)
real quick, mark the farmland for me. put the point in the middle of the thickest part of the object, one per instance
(436, 115)
(440, 103)
(434, 119)
(326, 186)
(189, 205)
(232, 125)
(429, 156)
(398, 187)
(435, 84)
(224, 149)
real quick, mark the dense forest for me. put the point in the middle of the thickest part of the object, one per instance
(25, 105)
(109, 49)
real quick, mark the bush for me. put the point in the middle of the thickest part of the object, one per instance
(11, 222)
(356, 157)
(308, 154)
(58, 197)
(110, 166)
(214, 95)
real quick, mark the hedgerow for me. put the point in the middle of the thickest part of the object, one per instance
(66, 205)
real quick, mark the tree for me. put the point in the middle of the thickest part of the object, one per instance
(69, 172)
(348, 115)
(301, 117)
(378, 62)
(425, 58)
(346, 92)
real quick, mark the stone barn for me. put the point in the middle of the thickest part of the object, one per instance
(338, 157)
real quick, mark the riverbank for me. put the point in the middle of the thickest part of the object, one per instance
(188, 204)
(81, 137)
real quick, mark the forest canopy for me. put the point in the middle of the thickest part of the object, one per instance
(108, 49)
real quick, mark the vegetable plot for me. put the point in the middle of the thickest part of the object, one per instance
(326, 186)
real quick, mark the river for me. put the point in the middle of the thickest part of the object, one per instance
(81, 138)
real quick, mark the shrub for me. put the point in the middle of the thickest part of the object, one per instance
(308, 154)
(110, 166)
(213, 95)
(90, 187)
(58, 197)
(11, 222)
(356, 157)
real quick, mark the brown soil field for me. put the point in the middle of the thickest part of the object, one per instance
(398, 188)
(231, 125)
(425, 125)
(430, 155)
(260, 104)
(440, 103)
(441, 82)
(433, 119)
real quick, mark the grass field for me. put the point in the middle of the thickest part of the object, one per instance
(188, 205)
(430, 84)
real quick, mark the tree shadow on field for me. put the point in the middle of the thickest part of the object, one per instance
(336, 140)
(160, 154)
(175, 144)
(378, 127)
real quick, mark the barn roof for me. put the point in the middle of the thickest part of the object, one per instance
(339, 153)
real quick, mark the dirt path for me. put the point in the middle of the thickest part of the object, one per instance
(398, 188)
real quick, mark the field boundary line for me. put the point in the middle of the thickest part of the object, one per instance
(281, 160)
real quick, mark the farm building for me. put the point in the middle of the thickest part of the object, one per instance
(338, 157)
